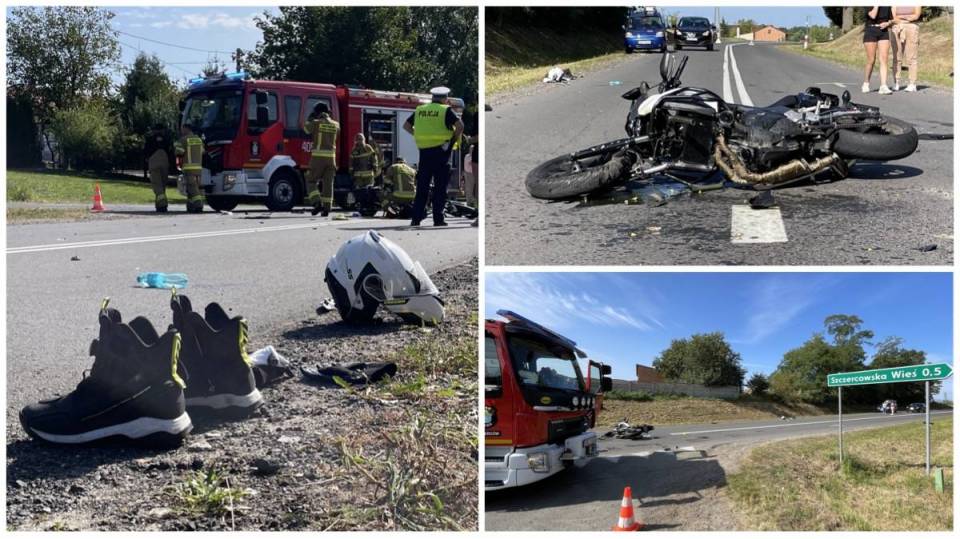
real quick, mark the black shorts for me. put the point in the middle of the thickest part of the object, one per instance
(872, 34)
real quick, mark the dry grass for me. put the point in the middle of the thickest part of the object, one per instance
(516, 58)
(692, 410)
(796, 485)
(33, 215)
(936, 51)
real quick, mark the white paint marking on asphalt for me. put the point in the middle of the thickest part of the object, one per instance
(744, 96)
(727, 90)
(748, 225)
(834, 421)
(170, 237)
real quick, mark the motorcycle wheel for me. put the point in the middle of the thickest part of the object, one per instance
(561, 178)
(895, 140)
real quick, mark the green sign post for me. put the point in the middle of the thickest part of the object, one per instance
(910, 373)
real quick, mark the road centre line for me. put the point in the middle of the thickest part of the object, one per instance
(788, 424)
(171, 237)
(727, 90)
(744, 96)
(748, 225)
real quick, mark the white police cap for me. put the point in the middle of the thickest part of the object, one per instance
(440, 91)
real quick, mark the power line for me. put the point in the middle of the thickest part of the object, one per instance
(173, 65)
(171, 44)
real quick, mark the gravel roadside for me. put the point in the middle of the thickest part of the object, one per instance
(398, 455)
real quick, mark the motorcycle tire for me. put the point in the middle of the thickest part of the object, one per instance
(556, 179)
(898, 140)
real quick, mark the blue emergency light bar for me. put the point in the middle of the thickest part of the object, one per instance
(515, 318)
(236, 75)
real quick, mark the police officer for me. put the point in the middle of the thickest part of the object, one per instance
(190, 147)
(323, 158)
(158, 152)
(399, 187)
(435, 127)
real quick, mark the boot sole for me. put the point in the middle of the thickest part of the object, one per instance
(226, 404)
(148, 431)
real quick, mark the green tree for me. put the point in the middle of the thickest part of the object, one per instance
(86, 134)
(23, 148)
(148, 96)
(705, 359)
(59, 56)
(396, 48)
(891, 353)
(758, 384)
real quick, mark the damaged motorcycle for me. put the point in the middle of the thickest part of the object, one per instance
(689, 134)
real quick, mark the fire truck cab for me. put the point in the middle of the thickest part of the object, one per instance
(538, 407)
(257, 150)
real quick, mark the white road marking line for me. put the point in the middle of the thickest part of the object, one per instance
(744, 96)
(756, 226)
(788, 424)
(170, 237)
(727, 90)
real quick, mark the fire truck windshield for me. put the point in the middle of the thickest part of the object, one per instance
(216, 115)
(545, 365)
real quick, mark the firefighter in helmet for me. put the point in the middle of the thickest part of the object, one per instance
(323, 158)
(158, 152)
(435, 128)
(190, 147)
(399, 187)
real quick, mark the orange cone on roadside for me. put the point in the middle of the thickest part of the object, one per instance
(97, 200)
(626, 522)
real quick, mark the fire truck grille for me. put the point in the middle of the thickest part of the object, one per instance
(559, 430)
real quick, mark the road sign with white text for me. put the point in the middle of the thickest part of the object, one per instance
(911, 373)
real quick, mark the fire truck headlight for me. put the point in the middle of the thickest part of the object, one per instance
(229, 180)
(538, 462)
(490, 416)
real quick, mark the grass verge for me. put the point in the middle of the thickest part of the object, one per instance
(30, 186)
(796, 485)
(29, 215)
(519, 57)
(935, 60)
(640, 407)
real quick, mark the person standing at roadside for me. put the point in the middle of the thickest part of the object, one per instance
(323, 158)
(906, 44)
(158, 152)
(876, 43)
(190, 147)
(435, 128)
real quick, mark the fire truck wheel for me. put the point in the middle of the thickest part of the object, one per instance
(222, 203)
(284, 191)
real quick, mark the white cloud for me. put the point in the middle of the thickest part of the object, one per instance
(161, 24)
(777, 299)
(196, 21)
(558, 301)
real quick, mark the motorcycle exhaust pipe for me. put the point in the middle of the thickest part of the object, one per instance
(737, 172)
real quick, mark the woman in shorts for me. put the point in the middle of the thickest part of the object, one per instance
(876, 42)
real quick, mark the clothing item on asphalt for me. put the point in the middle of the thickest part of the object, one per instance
(351, 373)
(221, 381)
(134, 390)
(269, 367)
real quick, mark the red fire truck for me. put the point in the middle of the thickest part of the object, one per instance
(538, 407)
(257, 150)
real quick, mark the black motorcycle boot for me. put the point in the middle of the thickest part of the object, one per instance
(131, 393)
(214, 354)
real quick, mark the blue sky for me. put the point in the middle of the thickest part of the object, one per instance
(628, 318)
(783, 17)
(208, 29)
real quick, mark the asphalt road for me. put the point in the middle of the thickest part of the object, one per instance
(267, 267)
(678, 476)
(883, 214)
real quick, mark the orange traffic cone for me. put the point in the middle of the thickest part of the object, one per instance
(626, 523)
(97, 200)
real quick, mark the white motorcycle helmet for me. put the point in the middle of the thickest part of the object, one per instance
(370, 270)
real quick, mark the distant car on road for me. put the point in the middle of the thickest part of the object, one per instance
(644, 30)
(694, 32)
(917, 408)
(889, 406)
